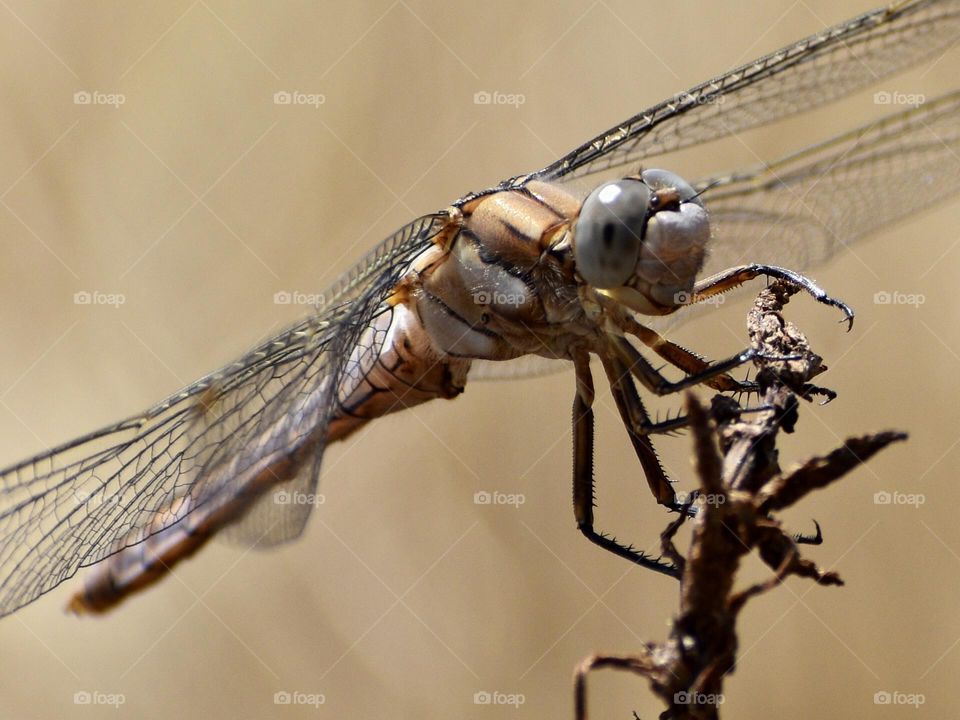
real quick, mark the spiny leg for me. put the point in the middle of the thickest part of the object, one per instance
(639, 427)
(687, 361)
(736, 276)
(654, 380)
(805, 539)
(637, 422)
(583, 481)
(698, 370)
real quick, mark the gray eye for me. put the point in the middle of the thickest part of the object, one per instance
(608, 232)
(657, 179)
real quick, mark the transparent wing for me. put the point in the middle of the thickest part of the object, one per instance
(280, 515)
(521, 368)
(806, 74)
(224, 435)
(803, 209)
(806, 207)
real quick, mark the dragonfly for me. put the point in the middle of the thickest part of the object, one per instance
(533, 267)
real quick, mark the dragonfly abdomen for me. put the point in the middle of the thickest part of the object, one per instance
(395, 365)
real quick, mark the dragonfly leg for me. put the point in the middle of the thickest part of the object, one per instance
(689, 362)
(583, 480)
(735, 276)
(805, 539)
(639, 428)
(655, 382)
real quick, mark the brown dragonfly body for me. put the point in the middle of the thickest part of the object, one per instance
(499, 283)
(531, 267)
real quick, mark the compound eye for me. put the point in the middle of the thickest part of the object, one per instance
(659, 179)
(609, 231)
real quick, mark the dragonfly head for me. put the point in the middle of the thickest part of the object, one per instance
(642, 240)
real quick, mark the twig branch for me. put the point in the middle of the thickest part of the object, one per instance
(741, 485)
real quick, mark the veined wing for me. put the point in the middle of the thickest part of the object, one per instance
(220, 437)
(804, 208)
(363, 287)
(521, 368)
(821, 68)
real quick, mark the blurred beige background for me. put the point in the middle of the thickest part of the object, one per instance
(199, 198)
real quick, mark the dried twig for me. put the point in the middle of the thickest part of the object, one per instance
(741, 485)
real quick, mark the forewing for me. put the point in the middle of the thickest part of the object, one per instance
(78, 503)
(806, 74)
(803, 209)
